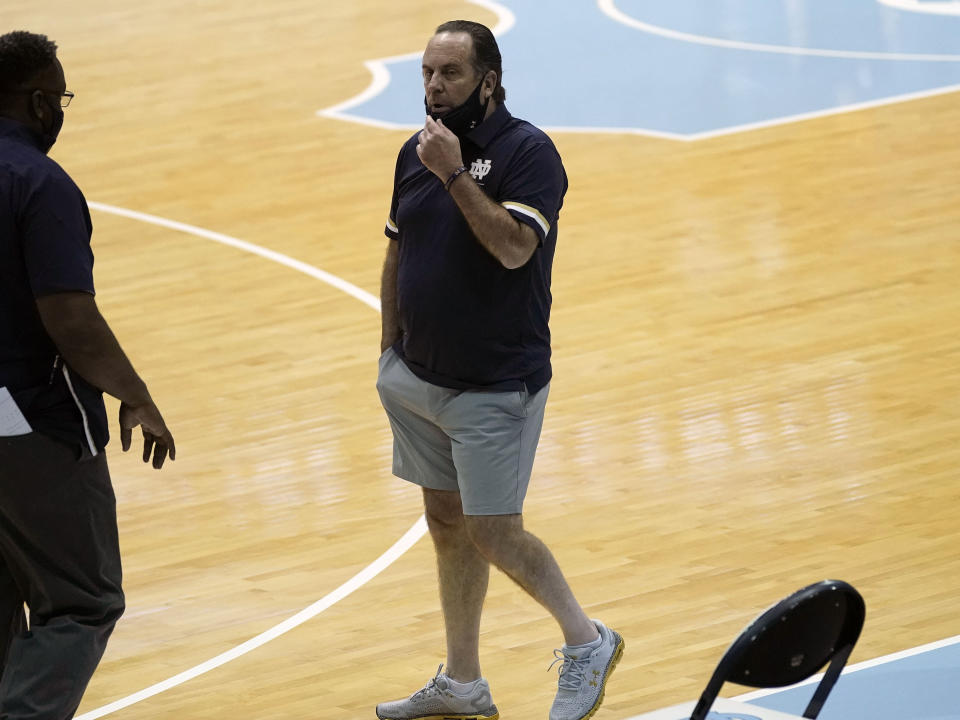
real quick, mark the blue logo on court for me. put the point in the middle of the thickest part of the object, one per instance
(689, 69)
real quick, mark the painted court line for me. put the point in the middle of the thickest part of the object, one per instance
(945, 7)
(609, 8)
(349, 288)
(408, 540)
(380, 76)
(757, 694)
(839, 110)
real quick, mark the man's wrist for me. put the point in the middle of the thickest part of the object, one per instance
(136, 394)
(453, 176)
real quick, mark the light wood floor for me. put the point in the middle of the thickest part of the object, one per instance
(757, 371)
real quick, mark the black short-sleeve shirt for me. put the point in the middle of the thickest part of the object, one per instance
(45, 233)
(467, 322)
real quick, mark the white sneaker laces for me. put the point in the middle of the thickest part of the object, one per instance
(431, 687)
(573, 672)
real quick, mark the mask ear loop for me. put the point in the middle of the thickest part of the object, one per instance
(52, 131)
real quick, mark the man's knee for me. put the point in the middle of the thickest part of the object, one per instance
(443, 511)
(104, 605)
(493, 535)
(100, 612)
(111, 607)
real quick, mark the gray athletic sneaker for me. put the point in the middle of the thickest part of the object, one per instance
(436, 701)
(583, 675)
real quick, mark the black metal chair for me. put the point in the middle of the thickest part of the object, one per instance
(790, 642)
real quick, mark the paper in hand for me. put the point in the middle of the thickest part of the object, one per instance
(12, 421)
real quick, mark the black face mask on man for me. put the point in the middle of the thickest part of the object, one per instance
(48, 136)
(466, 116)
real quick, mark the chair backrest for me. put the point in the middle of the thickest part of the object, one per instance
(791, 641)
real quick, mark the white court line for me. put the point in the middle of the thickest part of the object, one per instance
(734, 129)
(933, 8)
(757, 694)
(380, 79)
(839, 110)
(349, 288)
(380, 74)
(408, 540)
(883, 660)
(706, 134)
(609, 8)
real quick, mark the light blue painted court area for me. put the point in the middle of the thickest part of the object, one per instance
(919, 685)
(693, 69)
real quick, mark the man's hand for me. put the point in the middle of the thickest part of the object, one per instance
(439, 149)
(156, 438)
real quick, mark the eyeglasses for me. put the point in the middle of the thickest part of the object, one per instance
(65, 96)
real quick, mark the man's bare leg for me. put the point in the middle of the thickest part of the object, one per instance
(464, 574)
(502, 540)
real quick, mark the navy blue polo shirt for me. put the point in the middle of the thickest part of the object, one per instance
(467, 321)
(45, 232)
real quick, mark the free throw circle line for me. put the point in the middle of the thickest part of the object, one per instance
(322, 275)
(408, 540)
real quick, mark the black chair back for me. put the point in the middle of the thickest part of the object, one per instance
(790, 642)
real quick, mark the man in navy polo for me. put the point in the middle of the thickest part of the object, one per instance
(59, 552)
(465, 369)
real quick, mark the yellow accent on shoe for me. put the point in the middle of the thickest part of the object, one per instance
(613, 664)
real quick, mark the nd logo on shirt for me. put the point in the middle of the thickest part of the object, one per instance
(479, 169)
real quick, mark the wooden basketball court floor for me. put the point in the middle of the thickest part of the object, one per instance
(757, 371)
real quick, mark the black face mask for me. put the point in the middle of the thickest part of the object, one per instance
(49, 135)
(463, 118)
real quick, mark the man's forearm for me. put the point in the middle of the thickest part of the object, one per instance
(103, 364)
(388, 297)
(88, 345)
(511, 242)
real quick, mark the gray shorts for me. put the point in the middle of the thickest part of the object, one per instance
(480, 444)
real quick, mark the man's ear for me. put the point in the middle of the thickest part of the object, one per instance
(37, 104)
(489, 84)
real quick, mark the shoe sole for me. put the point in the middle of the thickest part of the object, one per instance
(617, 654)
(455, 716)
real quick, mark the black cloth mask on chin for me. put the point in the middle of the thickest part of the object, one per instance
(49, 135)
(466, 116)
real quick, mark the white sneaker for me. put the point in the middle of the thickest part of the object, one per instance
(437, 701)
(583, 675)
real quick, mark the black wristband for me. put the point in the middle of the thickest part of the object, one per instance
(456, 173)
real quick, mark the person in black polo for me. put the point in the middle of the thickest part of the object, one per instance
(465, 365)
(59, 553)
